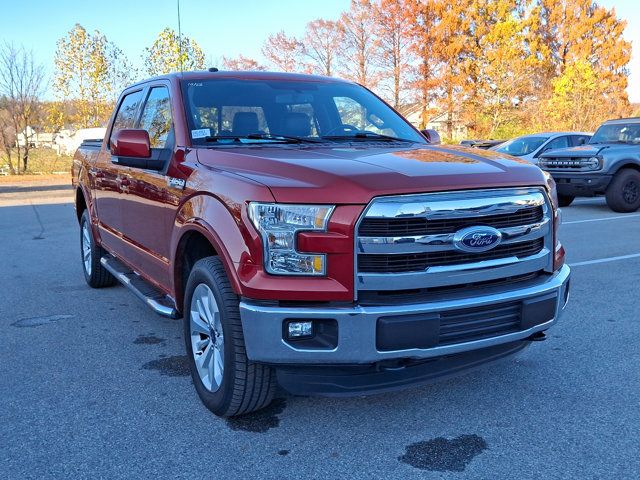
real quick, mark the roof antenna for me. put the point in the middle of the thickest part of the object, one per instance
(180, 40)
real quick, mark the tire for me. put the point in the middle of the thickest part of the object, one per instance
(237, 386)
(90, 253)
(565, 200)
(623, 193)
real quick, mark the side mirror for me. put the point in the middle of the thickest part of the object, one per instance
(131, 143)
(432, 136)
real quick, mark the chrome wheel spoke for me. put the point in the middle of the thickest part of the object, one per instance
(202, 344)
(86, 248)
(204, 358)
(217, 364)
(198, 325)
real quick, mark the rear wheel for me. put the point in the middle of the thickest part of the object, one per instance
(565, 200)
(94, 273)
(227, 382)
(623, 193)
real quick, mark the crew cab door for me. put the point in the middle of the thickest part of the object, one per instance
(109, 178)
(149, 203)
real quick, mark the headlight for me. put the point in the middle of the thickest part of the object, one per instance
(278, 225)
(593, 163)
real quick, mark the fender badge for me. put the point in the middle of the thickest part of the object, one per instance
(176, 182)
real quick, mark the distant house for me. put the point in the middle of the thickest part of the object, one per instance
(423, 118)
(35, 139)
(415, 113)
(440, 123)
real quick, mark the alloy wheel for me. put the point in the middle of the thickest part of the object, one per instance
(630, 191)
(86, 248)
(207, 337)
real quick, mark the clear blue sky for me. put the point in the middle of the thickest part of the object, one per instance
(221, 27)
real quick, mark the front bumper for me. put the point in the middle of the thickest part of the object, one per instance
(358, 327)
(581, 184)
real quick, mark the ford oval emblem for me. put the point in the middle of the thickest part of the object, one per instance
(477, 239)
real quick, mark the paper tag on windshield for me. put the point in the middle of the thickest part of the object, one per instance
(201, 133)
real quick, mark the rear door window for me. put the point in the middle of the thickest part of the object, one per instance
(560, 142)
(126, 115)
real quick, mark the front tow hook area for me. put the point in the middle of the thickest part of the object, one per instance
(537, 337)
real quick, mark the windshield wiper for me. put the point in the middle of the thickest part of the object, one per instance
(270, 137)
(366, 136)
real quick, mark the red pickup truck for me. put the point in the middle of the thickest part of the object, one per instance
(310, 236)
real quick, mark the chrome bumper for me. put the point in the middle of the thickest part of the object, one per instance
(263, 327)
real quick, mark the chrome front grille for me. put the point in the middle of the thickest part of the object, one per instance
(390, 263)
(570, 164)
(407, 242)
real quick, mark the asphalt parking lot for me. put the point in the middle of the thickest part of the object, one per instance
(95, 385)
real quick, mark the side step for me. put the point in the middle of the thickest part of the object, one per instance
(154, 298)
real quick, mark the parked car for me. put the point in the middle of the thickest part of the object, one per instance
(608, 165)
(484, 144)
(311, 237)
(530, 147)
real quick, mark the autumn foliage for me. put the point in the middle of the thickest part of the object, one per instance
(498, 68)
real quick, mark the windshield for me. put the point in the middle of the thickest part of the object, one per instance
(617, 133)
(521, 146)
(234, 111)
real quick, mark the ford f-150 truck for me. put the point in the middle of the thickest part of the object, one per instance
(310, 236)
(609, 164)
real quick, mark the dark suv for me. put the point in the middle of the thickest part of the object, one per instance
(608, 165)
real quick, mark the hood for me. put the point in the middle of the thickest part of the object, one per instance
(589, 150)
(355, 174)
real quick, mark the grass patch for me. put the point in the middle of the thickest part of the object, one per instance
(42, 161)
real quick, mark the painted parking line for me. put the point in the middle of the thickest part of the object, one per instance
(605, 260)
(617, 217)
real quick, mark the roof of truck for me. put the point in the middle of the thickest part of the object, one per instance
(243, 75)
(554, 134)
(624, 120)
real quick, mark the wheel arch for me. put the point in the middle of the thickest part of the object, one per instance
(198, 240)
(628, 163)
(80, 203)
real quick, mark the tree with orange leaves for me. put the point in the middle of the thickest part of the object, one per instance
(420, 22)
(241, 63)
(321, 46)
(360, 43)
(283, 51)
(585, 40)
(394, 41)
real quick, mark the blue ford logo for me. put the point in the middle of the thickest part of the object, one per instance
(477, 239)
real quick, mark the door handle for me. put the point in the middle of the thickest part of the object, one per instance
(96, 173)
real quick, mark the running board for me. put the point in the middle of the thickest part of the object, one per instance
(159, 302)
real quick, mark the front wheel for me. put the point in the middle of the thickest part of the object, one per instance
(227, 382)
(565, 200)
(623, 193)
(94, 273)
